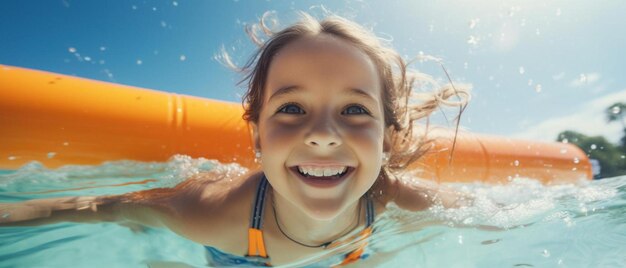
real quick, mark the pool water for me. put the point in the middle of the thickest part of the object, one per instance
(521, 224)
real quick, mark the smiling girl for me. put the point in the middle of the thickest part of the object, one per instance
(332, 115)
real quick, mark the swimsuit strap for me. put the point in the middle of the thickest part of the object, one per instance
(256, 244)
(357, 254)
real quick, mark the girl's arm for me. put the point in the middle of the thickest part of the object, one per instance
(117, 208)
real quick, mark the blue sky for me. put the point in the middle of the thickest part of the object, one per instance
(537, 68)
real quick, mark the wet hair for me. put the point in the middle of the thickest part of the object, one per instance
(403, 107)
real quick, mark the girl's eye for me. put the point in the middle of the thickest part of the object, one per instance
(291, 109)
(355, 109)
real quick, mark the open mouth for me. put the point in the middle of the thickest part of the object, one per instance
(322, 176)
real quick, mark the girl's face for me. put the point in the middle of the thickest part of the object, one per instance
(321, 126)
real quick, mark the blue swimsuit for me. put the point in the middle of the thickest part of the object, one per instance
(257, 255)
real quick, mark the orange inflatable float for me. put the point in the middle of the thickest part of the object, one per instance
(57, 120)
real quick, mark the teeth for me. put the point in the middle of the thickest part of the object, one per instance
(321, 171)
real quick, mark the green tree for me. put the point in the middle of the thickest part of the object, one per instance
(610, 156)
(617, 112)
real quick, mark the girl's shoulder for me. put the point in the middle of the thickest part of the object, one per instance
(213, 208)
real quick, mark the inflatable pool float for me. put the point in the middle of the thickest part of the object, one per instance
(58, 120)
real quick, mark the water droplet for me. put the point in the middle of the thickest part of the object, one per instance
(139, 62)
(593, 147)
(576, 160)
(71, 50)
(516, 163)
(473, 22)
(51, 154)
(473, 40)
(545, 253)
(182, 58)
(616, 110)
(538, 88)
(521, 70)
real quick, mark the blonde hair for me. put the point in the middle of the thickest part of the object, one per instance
(400, 108)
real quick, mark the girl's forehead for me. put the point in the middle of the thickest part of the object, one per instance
(322, 59)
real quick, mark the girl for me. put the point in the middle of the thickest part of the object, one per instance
(333, 127)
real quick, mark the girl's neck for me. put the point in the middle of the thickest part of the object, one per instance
(298, 226)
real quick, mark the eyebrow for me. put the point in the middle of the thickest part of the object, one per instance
(295, 88)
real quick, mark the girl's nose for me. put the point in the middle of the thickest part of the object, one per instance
(323, 135)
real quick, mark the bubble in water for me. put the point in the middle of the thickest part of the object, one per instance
(473, 22)
(182, 58)
(582, 78)
(139, 62)
(154, 9)
(473, 40)
(87, 58)
(71, 50)
(134, 7)
(163, 24)
(521, 70)
(576, 160)
(103, 48)
(545, 253)
(530, 82)
(461, 239)
(538, 88)
(558, 11)
(593, 147)
(175, 3)
(51, 154)
(616, 110)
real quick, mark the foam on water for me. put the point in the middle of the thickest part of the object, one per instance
(520, 224)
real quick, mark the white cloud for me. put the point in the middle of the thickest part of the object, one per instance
(589, 120)
(585, 79)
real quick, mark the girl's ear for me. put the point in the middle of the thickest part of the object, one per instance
(387, 144)
(255, 137)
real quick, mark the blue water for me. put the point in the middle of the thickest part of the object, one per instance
(521, 224)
